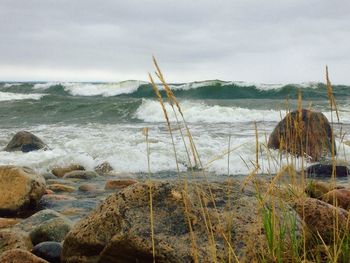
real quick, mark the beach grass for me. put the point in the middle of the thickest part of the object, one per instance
(283, 241)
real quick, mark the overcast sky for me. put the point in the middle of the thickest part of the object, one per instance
(275, 41)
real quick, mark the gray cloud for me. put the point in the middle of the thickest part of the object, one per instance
(252, 40)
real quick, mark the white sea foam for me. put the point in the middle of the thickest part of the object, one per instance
(150, 111)
(123, 146)
(8, 96)
(93, 89)
(9, 85)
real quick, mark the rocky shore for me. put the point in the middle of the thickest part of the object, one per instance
(70, 214)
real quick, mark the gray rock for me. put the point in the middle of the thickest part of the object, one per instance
(50, 251)
(37, 219)
(52, 230)
(26, 142)
(81, 174)
(48, 176)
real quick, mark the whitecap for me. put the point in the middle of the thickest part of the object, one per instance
(9, 96)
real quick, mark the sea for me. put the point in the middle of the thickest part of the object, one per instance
(92, 123)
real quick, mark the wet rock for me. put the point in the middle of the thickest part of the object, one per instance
(319, 217)
(20, 256)
(10, 239)
(87, 188)
(61, 188)
(26, 142)
(103, 168)
(52, 230)
(61, 171)
(7, 222)
(315, 134)
(119, 229)
(37, 219)
(81, 174)
(50, 251)
(21, 189)
(48, 176)
(118, 184)
(339, 197)
(325, 170)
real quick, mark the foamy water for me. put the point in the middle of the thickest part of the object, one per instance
(88, 123)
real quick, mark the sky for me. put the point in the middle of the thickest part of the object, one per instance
(272, 41)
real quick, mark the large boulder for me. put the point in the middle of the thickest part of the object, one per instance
(21, 188)
(303, 132)
(26, 142)
(188, 225)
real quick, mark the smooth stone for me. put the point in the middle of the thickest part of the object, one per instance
(319, 217)
(50, 251)
(21, 189)
(37, 219)
(81, 175)
(340, 197)
(52, 230)
(61, 171)
(87, 188)
(46, 199)
(103, 168)
(26, 142)
(61, 188)
(72, 211)
(11, 239)
(314, 130)
(48, 176)
(118, 184)
(7, 222)
(325, 170)
(20, 256)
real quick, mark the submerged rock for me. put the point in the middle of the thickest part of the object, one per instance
(26, 142)
(81, 174)
(20, 256)
(37, 219)
(61, 171)
(52, 230)
(21, 189)
(339, 197)
(119, 229)
(61, 188)
(119, 184)
(325, 170)
(303, 132)
(50, 251)
(10, 239)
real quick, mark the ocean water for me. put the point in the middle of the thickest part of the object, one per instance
(89, 123)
